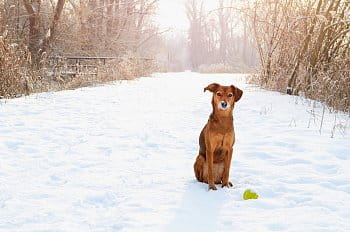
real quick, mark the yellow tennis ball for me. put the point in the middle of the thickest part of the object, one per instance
(249, 194)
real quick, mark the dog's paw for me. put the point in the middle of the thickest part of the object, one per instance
(227, 184)
(212, 187)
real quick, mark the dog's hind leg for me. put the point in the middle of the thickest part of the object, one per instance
(199, 168)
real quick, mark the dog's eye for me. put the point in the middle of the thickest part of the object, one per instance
(230, 95)
(219, 94)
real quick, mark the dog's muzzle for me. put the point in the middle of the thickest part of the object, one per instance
(224, 105)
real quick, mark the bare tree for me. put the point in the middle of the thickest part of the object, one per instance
(39, 42)
(195, 12)
(215, 37)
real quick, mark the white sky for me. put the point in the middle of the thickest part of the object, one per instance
(172, 13)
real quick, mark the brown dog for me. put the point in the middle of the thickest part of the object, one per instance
(216, 140)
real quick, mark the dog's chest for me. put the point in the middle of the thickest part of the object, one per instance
(220, 126)
(224, 143)
(226, 139)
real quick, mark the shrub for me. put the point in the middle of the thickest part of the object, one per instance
(15, 71)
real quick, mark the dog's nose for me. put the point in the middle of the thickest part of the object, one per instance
(223, 104)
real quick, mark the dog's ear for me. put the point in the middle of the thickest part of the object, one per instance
(237, 92)
(212, 87)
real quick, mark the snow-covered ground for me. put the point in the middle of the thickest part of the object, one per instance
(119, 157)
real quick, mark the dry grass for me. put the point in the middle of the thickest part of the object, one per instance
(310, 58)
(15, 74)
(123, 69)
(331, 86)
(224, 68)
(126, 69)
(19, 77)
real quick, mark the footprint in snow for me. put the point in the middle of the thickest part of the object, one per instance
(56, 180)
(326, 168)
(101, 200)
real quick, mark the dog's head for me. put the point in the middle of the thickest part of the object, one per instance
(224, 97)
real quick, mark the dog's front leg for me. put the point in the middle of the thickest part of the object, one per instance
(226, 174)
(210, 164)
(210, 161)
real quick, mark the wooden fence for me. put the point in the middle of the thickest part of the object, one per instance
(71, 66)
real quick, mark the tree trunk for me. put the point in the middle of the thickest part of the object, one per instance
(37, 44)
(50, 35)
(110, 16)
(34, 30)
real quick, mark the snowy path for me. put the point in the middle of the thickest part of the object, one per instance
(119, 157)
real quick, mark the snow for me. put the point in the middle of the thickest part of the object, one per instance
(119, 157)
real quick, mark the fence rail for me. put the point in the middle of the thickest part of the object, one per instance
(79, 65)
